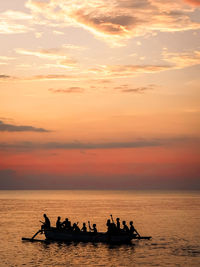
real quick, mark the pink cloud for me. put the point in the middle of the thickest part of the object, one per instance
(119, 19)
(193, 2)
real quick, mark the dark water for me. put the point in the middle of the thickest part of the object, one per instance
(173, 219)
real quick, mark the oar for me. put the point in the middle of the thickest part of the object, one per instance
(137, 232)
(32, 238)
(36, 234)
(142, 237)
(111, 218)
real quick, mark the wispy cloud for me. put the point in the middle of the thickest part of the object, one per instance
(119, 19)
(58, 32)
(126, 88)
(128, 70)
(73, 89)
(57, 54)
(52, 77)
(73, 47)
(6, 77)
(172, 61)
(13, 22)
(55, 77)
(53, 53)
(182, 60)
(105, 73)
(6, 127)
(6, 58)
(137, 143)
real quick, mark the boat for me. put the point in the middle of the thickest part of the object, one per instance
(66, 235)
(53, 234)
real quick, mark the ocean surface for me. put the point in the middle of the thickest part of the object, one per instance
(171, 218)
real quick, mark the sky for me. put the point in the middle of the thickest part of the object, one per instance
(100, 94)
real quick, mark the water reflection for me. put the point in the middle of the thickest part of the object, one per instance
(172, 220)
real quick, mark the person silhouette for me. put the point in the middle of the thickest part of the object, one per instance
(125, 227)
(94, 229)
(65, 224)
(109, 226)
(75, 227)
(132, 230)
(58, 223)
(84, 228)
(47, 223)
(118, 224)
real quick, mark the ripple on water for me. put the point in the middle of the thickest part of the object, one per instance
(155, 215)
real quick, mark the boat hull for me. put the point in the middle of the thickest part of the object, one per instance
(69, 236)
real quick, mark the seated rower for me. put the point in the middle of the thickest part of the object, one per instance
(75, 227)
(66, 224)
(118, 225)
(132, 230)
(84, 228)
(94, 229)
(69, 226)
(58, 223)
(125, 227)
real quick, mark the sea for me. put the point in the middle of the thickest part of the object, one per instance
(171, 218)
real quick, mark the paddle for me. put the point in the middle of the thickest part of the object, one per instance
(112, 218)
(141, 237)
(137, 233)
(32, 238)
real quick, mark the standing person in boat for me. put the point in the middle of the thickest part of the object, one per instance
(58, 223)
(114, 225)
(84, 228)
(94, 229)
(110, 228)
(46, 223)
(125, 227)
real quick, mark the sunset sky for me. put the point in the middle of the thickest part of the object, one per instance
(100, 94)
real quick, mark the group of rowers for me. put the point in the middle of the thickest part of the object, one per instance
(112, 226)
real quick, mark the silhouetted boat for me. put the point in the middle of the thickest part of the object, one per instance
(54, 234)
(116, 237)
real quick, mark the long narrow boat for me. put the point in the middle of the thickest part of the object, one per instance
(54, 234)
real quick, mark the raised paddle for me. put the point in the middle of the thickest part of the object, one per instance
(112, 218)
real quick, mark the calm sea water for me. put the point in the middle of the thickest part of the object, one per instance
(171, 218)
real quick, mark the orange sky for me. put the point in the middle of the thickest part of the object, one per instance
(98, 94)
